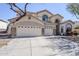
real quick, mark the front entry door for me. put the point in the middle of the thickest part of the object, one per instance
(57, 29)
(54, 31)
(13, 31)
(43, 31)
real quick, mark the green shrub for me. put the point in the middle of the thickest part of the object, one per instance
(77, 27)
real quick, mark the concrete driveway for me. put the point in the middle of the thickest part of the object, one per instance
(40, 46)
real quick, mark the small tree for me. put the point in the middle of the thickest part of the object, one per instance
(73, 8)
(77, 27)
(14, 7)
(75, 33)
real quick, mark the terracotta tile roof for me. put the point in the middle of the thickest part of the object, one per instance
(30, 14)
(43, 11)
(56, 15)
(14, 19)
(67, 21)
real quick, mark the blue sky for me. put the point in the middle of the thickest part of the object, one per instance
(55, 8)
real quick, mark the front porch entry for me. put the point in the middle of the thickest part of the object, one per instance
(43, 31)
(13, 31)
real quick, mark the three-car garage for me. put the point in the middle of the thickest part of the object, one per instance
(28, 31)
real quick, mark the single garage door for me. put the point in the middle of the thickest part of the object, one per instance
(28, 31)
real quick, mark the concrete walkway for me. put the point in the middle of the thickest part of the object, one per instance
(39, 46)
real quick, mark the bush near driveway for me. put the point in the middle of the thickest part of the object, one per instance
(4, 42)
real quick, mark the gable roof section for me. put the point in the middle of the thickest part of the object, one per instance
(13, 20)
(57, 15)
(43, 11)
(68, 21)
(36, 18)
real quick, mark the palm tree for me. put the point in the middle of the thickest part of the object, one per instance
(73, 8)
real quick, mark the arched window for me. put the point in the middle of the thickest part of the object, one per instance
(61, 29)
(45, 18)
(56, 21)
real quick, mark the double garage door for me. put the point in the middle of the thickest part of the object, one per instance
(28, 31)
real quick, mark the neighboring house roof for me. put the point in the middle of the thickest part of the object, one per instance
(3, 25)
(3, 21)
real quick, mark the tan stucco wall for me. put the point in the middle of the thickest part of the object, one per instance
(24, 19)
(9, 29)
(53, 19)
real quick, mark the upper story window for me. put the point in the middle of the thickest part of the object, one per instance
(56, 21)
(45, 18)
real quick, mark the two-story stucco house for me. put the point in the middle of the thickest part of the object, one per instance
(38, 24)
(35, 24)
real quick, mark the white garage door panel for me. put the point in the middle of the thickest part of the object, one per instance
(48, 32)
(28, 31)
